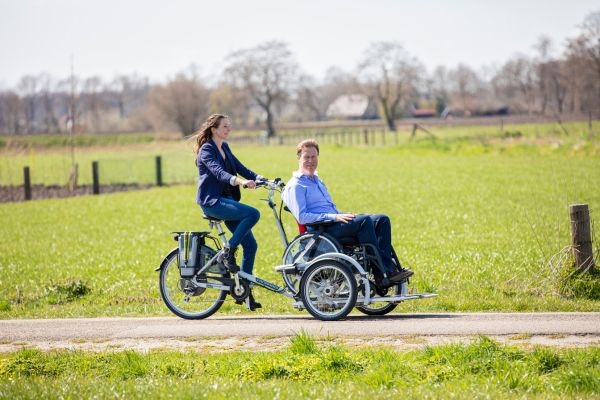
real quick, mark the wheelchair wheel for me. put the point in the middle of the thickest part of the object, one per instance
(183, 296)
(328, 290)
(293, 254)
(380, 307)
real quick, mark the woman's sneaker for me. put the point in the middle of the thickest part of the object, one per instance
(229, 259)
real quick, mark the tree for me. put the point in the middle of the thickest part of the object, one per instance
(28, 87)
(544, 48)
(466, 84)
(10, 113)
(130, 93)
(586, 47)
(182, 102)
(309, 99)
(440, 88)
(226, 99)
(516, 81)
(392, 76)
(266, 73)
(91, 101)
(51, 124)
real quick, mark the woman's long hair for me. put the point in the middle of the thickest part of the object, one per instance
(204, 134)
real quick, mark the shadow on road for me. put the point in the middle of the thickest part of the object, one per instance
(354, 317)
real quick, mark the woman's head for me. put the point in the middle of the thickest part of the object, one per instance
(212, 124)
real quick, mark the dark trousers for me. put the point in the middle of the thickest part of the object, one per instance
(373, 229)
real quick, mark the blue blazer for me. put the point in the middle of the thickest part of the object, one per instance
(212, 176)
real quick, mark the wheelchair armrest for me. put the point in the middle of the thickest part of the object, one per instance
(318, 224)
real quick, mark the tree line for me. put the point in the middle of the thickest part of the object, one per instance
(262, 85)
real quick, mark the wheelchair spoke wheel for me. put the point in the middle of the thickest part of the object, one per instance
(328, 290)
(380, 307)
(188, 298)
(301, 250)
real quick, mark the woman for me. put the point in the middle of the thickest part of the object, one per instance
(219, 192)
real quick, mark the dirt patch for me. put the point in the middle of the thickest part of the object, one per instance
(17, 193)
(260, 343)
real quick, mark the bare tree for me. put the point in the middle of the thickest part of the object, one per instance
(586, 47)
(182, 102)
(267, 73)
(516, 83)
(28, 87)
(91, 101)
(10, 113)
(309, 99)
(466, 84)
(440, 88)
(392, 76)
(47, 87)
(226, 99)
(544, 49)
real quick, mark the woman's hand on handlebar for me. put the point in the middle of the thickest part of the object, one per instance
(248, 184)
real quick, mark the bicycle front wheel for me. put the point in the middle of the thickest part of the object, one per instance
(189, 298)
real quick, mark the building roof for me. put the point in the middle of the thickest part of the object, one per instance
(349, 106)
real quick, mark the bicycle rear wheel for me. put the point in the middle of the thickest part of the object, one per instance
(187, 297)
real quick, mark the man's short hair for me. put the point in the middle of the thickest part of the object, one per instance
(308, 143)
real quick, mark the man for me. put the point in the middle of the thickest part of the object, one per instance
(309, 201)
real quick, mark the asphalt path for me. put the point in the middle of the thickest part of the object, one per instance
(452, 324)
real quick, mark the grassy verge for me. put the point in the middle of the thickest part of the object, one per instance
(482, 369)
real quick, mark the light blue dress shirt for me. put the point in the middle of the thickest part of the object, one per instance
(308, 199)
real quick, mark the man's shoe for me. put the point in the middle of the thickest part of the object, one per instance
(229, 259)
(382, 283)
(400, 276)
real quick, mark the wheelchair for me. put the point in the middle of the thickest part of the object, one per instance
(313, 242)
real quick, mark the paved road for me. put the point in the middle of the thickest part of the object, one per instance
(399, 324)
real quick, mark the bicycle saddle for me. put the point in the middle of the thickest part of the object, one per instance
(211, 218)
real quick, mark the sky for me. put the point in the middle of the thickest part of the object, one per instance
(159, 39)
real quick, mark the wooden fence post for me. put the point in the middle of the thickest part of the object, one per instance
(95, 179)
(159, 181)
(581, 237)
(366, 133)
(27, 183)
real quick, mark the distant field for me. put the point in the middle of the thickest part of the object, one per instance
(130, 158)
(477, 221)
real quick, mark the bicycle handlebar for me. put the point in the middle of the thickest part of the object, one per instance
(274, 184)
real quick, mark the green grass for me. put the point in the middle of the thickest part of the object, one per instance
(480, 222)
(481, 369)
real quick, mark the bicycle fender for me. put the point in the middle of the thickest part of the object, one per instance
(164, 261)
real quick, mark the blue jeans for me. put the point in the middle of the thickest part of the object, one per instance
(375, 229)
(239, 219)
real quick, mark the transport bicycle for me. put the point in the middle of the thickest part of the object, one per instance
(326, 277)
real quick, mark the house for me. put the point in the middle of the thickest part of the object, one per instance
(352, 106)
(422, 112)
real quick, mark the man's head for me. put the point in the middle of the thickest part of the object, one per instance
(307, 152)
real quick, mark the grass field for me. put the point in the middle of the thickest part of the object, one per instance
(482, 222)
(130, 158)
(307, 368)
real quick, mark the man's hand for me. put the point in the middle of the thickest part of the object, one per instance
(345, 218)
